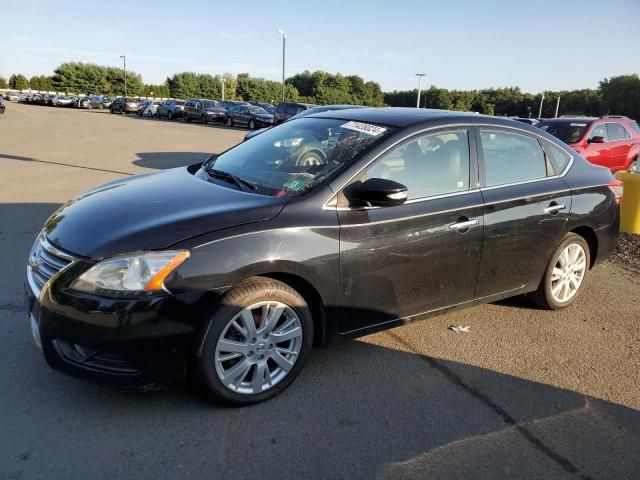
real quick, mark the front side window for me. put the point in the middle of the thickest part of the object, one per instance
(432, 164)
(616, 131)
(297, 156)
(599, 131)
(291, 110)
(511, 157)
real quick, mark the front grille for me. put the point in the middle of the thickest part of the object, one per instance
(45, 261)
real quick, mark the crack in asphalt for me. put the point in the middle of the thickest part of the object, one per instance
(454, 378)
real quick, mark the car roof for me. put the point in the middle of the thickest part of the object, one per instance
(401, 116)
(569, 120)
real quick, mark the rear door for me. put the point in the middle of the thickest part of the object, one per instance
(398, 262)
(527, 206)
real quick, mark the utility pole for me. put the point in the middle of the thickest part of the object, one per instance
(557, 106)
(124, 61)
(419, 75)
(541, 102)
(284, 43)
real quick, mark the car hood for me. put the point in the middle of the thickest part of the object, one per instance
(152, 211)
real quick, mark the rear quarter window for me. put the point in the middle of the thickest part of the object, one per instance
(558, 157)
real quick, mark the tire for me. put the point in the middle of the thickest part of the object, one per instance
(229, 122)
(252, 124)
(100, 106)
(170, 115)
(187, 118)
(204, 119)
(258, 352)
(111, 110)
(549, 294)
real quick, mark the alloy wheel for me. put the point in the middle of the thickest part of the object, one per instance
(258, 347)
(568, 273)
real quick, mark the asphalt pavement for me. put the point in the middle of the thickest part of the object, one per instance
(526, 393)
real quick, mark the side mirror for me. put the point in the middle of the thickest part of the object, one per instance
(596, 139)
(381, 192)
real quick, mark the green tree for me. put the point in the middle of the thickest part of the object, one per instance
(3, 82)
(19, 82)
(157, 91)
(621, 95)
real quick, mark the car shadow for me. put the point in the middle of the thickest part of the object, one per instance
(165, 160)
(358, 410)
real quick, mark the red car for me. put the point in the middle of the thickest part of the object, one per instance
(611, 141)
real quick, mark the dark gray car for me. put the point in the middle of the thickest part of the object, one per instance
(171, 109)
(204, 110)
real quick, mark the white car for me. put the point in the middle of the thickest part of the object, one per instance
(12, 96)
(150, 109)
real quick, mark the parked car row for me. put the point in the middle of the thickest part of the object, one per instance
(53, 100)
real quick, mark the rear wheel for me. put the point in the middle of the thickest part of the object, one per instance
(170, 115)
(204, 119)
(565, 274)
(229, 122)
(187, 118)
(252, 124)
(256, 342)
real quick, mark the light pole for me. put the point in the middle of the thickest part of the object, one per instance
(124, 62)
(557, 106)
(419, 75)
(284, 43)
(540, 109)
(222, 85)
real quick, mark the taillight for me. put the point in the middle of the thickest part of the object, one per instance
(616, 187)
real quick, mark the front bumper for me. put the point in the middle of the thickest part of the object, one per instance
(128, 342)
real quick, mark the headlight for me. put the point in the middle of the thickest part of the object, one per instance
(135, 273)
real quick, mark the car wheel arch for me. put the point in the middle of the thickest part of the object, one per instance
(592, 240)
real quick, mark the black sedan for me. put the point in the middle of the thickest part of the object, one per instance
(248, 116)
(333, 225)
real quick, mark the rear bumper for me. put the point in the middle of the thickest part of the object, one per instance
(607, 239)
(130, 343)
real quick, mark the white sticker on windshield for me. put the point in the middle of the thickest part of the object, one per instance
(373, 130)
(578, 124)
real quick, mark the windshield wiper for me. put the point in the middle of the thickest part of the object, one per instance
(240, 182)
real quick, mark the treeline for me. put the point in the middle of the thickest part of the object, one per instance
(618, 95)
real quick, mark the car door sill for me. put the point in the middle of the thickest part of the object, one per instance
(358, 332)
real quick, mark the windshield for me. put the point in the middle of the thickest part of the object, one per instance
(294, 157)
(257, 111)
(568, 132)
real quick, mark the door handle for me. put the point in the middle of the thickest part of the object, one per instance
(554, 208)
(464, 225)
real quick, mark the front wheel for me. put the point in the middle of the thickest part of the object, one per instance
(565, 274)
(256, 342)
(229, 122)
(204, 120)
(170, 115)
(252, 124)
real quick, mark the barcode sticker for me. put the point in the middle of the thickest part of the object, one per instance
(373, 130)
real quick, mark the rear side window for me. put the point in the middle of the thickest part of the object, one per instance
(280, 108)
(635, 126)
(291, 110)
(617, 132)
(559, 158)
(511, 157)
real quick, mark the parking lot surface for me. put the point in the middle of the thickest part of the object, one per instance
(526, 393)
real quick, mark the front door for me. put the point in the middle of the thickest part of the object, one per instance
(526, 210)
(398, 262)
(598, 153)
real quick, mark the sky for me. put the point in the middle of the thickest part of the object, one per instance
(534, 44)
